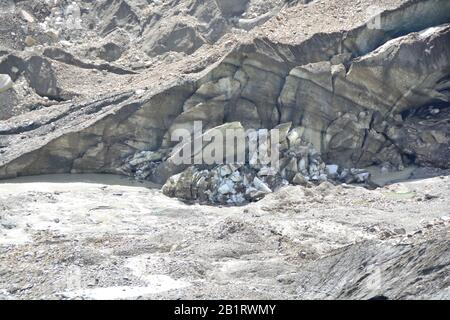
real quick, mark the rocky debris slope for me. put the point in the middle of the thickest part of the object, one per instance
(114, 36)
(358, 95)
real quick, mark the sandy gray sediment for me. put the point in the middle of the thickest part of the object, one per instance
(100, 236)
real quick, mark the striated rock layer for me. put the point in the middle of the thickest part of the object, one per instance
(370, 94)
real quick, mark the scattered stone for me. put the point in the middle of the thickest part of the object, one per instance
(226, 188)
(110, 52)
(363, 177)
(435, 111)
(267, 171)
(261, 186)
(429, 196)
(300, 180)
(332, 170)
(145, 156)
(400, 231)
(225, 171)
(30, 41)
(28, 17)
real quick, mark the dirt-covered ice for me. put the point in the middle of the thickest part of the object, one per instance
(108, 237)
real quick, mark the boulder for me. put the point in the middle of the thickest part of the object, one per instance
(5, 83)
(42, 79)
(178, 37)
(232, 8)
(30, 41)
(283, 132)
(144, 157)
(299, 180)
(291, 169)
(179, 186)
(261, 186)
(226, 188)
(332, 171)
(110, 52)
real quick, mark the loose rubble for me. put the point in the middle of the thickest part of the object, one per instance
(59, 241)
(238, 183)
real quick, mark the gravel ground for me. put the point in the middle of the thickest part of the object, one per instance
(108, 237)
